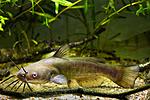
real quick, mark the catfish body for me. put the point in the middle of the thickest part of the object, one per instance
(63, 70)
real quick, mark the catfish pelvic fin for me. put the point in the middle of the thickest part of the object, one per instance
(61, 51)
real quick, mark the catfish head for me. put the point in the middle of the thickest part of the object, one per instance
(36, 73)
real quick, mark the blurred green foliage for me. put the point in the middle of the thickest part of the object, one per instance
(25, 25)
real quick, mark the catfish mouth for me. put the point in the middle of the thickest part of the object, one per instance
(21, 80)
(22, 77)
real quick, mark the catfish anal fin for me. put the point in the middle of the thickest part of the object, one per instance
(90, 80)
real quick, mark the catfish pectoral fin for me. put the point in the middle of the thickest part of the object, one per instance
(59, 79)
(128, 77)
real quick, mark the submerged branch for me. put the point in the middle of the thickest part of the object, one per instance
(96, 33)
(72, 91)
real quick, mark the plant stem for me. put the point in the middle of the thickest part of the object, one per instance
(107, 19)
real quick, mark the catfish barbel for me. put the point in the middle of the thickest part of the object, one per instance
(63, 70)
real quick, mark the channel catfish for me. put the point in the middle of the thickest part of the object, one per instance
(63, 70)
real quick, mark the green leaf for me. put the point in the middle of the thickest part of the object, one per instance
(148, 7)
(10, 14)
(32, 1)
(85, 6)
(2, 22)
(140, 10)
(1, 29)
(16, 43)
(1, 11)
(110, 6)
(63, 2)
(81, 6)
(43, 14)
(56, 7)
(35, 42)
(51, 20)
(2, 19)
(9, 32)
(7, 0)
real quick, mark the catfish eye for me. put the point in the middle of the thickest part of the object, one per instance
(34, 75)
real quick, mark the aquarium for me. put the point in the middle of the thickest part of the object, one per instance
(75, 49)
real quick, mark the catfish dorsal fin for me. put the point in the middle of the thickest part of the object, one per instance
(61, 51)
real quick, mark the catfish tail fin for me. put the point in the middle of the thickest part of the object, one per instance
(128, 77)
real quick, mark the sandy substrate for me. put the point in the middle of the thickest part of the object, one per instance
(106, 87)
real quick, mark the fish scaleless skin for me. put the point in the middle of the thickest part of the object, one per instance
(59, 69)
